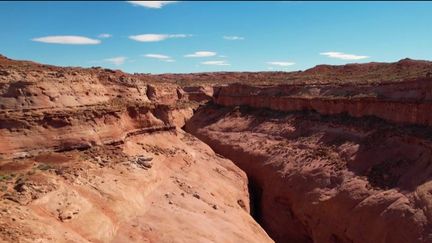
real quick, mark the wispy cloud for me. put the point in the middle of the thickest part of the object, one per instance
(217, 63)
(116, 60)
(151, 4)
(281, 64)
(233, 38)
(202, 54)
(160, 57)
(156, 37)
(67, 40)
(343, 56)
(105, 35)
(179, 36)
(157, 56)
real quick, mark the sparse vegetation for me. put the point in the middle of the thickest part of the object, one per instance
(43, 166)
(5, 177)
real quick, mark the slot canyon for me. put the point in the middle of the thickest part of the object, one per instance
(330, 154)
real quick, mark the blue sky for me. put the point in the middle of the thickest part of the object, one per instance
(186, 37)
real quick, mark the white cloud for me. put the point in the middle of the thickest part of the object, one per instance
(179, 36)
(151, 4)
(233, 38)
(217, 63)
(160, 57)
(342, 56)
(157, 56)
(67, 40)
(105, 35)
(156, 37)
(202, 54)
(148, 37)
(116, 60)
(281, 64)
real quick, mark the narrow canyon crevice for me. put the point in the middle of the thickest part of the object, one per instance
(269, 209)
(255, 199)
(273, 213)
(316, 178)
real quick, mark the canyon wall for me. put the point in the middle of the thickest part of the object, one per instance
(62, 108)
(97, 155)
(321, 166)
(406, 103)
(327, 179)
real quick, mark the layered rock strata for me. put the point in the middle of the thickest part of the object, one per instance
(96, 155)
(402, 102)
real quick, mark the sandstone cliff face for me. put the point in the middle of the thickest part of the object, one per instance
(62, 108)
(94, 155)
(321, 166)
(327, 179)
(405, 103)
(199, 93)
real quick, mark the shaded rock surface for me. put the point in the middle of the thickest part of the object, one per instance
(327, 178)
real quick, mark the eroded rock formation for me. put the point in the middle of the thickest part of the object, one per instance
(93, 155)
(331, 154)
(322, 164)
(401, 102)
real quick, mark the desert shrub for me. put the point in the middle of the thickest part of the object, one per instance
(44, 167)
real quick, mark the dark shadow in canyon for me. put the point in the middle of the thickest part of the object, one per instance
(386, 151)
(255, 199)
(400, 169)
